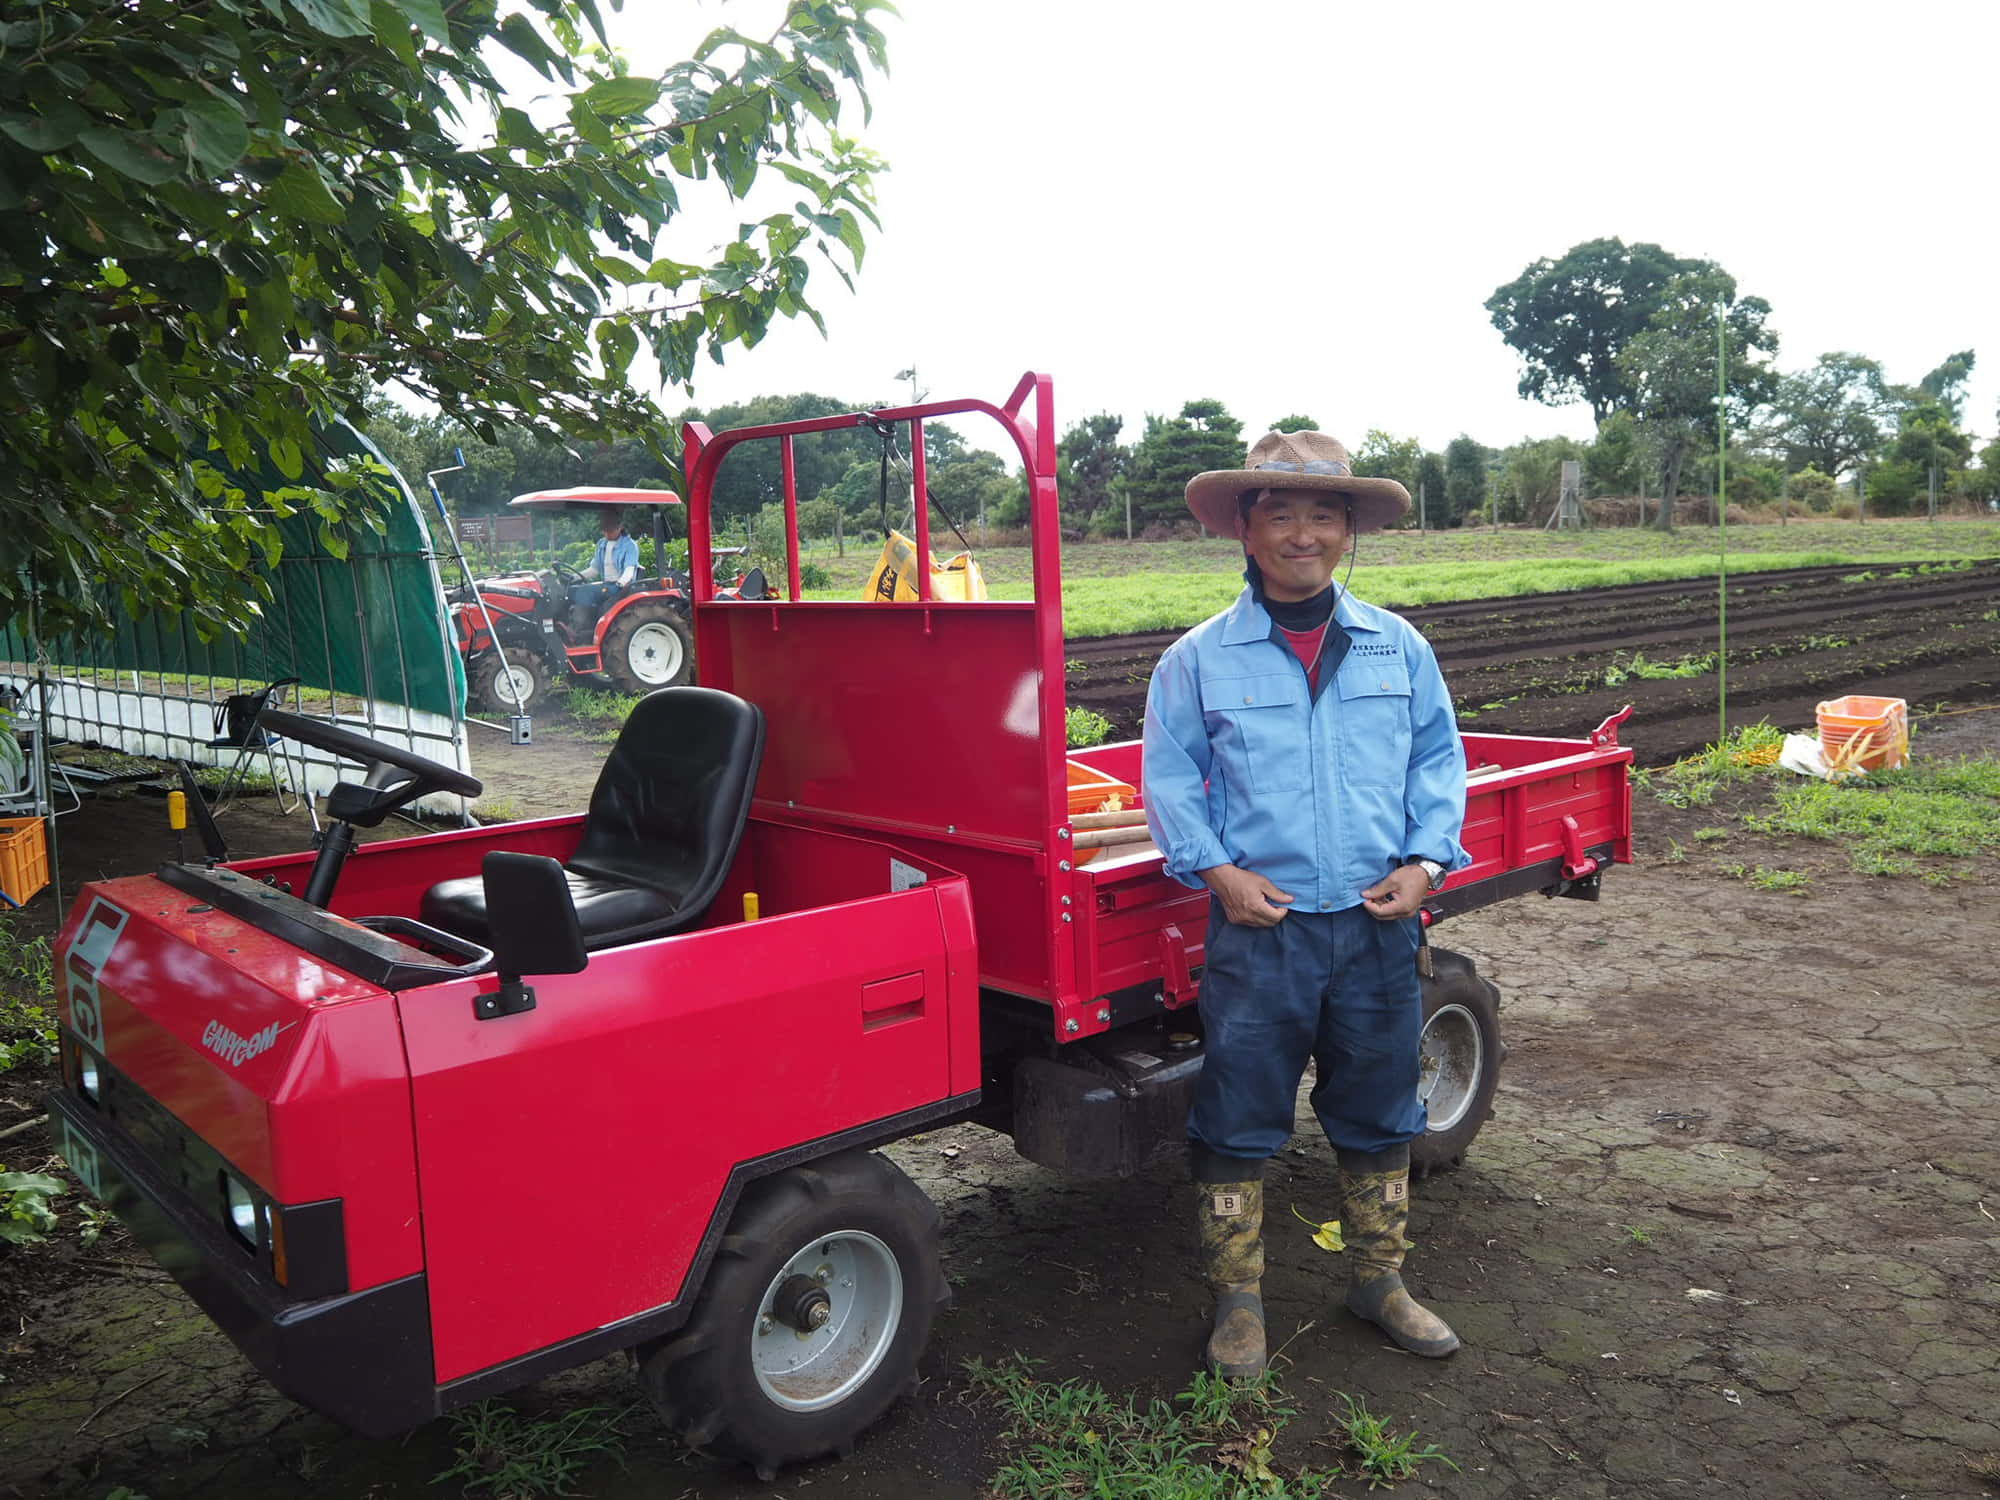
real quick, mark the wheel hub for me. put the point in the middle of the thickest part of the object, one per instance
(802, 1303)
(827, 1320)
(1450, 1056)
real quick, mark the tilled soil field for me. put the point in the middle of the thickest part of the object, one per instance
(1557, 664)
(1732, 1229)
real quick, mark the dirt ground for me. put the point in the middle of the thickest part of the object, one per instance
(1731, 1231)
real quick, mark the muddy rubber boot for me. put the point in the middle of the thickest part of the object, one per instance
(1375, 1194)
(1231, 1218)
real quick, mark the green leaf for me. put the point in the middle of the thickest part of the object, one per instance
(301, 193)
(428, 16)
(217, 135)
(623, 96)
(286, 457)
(333, 17)
(133, 156)
(53, 130)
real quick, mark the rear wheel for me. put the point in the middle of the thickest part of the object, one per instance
(648, 646)
(1460, 1056)
(815, 1312)
(522, 679)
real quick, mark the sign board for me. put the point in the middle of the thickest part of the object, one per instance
(489, 531)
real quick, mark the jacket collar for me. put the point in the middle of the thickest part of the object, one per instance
(1246, 620)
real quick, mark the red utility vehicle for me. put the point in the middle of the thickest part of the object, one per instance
(828, 900)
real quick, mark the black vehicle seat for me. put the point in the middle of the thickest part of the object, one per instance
(665, 818)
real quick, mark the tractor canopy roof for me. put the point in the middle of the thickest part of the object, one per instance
(592, 495)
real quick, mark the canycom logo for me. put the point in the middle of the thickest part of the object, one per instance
(238, 1050)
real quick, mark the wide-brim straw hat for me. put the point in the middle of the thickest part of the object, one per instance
(1294, 461)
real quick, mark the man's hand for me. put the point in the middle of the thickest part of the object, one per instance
(1399, 895)
(1248, 899)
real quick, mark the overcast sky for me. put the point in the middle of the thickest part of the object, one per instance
(1300, 207)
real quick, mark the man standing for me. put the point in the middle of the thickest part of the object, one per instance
(1302, 762)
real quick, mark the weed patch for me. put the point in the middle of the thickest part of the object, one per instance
(1746, 755)
(1213, 1441)
(27, 1001)
(509, 1455)
(1087, 727)
(1947, 809)
(27, 1206)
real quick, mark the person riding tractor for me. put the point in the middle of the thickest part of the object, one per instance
(610, 574)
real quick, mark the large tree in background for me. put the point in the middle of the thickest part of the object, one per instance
(231, 220)
(1464, 480)
(1093, 463)
(1570, 318)
(1946, 384)
(1171, 451)
(1671, 368)
(1831, 416)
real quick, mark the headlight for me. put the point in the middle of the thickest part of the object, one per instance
(86, 1075)
(241, 1209)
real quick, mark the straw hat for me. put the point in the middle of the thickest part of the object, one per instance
(1294, 461)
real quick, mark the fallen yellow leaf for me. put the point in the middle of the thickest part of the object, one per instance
(1326, 1236)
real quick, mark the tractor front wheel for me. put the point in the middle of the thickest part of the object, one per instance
(814, 1314)
(648, 646)
(1460, 1055)
(511, 680)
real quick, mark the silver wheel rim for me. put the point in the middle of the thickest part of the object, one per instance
(515, 685)
(812, 1371)
(655, 653)
(1450, 1058)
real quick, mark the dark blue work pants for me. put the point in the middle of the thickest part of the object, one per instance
(1339, 988)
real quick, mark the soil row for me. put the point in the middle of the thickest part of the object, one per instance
(1557, 664)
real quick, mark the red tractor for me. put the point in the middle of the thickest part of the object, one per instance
(520, 631)
(840, 894)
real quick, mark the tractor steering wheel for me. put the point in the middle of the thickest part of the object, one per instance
(566, 574)
(396, 778)
(431, 776)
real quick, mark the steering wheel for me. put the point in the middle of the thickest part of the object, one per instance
(396, 777)
(566, 574)
(433, 776)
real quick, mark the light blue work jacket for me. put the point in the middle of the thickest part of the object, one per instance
(1321, 795)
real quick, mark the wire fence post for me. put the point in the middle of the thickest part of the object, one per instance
(1722, 531)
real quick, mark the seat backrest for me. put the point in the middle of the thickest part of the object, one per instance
(671, 802)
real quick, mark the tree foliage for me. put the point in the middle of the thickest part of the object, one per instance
(1671, 369)
(234, 219)
(1465, 464)
(1830, 417)
(1093, 466)
(1570, 318)
(1171, 451)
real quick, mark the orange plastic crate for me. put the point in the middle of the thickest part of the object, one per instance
(24, 858)
(1090, 789)
(1862, 733)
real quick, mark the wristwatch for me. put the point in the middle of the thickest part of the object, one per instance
(1433, 871)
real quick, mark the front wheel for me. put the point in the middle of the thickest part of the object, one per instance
(648, 646)
(1459, 1060)
(813, 1317)
(510, 681)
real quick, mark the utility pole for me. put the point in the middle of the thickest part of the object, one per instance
(1420, 506)
(910, 375)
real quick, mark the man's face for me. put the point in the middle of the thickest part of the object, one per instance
(611, 525)
(1298, 538)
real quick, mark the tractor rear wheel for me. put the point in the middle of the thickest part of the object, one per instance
(529, 675)
(815, 1312)
(648, 646)
(1460, 1054)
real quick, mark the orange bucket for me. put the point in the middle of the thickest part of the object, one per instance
(1858, 733)
(1091, 790)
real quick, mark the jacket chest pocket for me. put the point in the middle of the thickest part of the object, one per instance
(1270, 721)
(1374, 721)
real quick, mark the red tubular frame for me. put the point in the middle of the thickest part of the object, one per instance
(1019, 850)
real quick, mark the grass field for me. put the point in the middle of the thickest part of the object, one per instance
(1115, 588)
